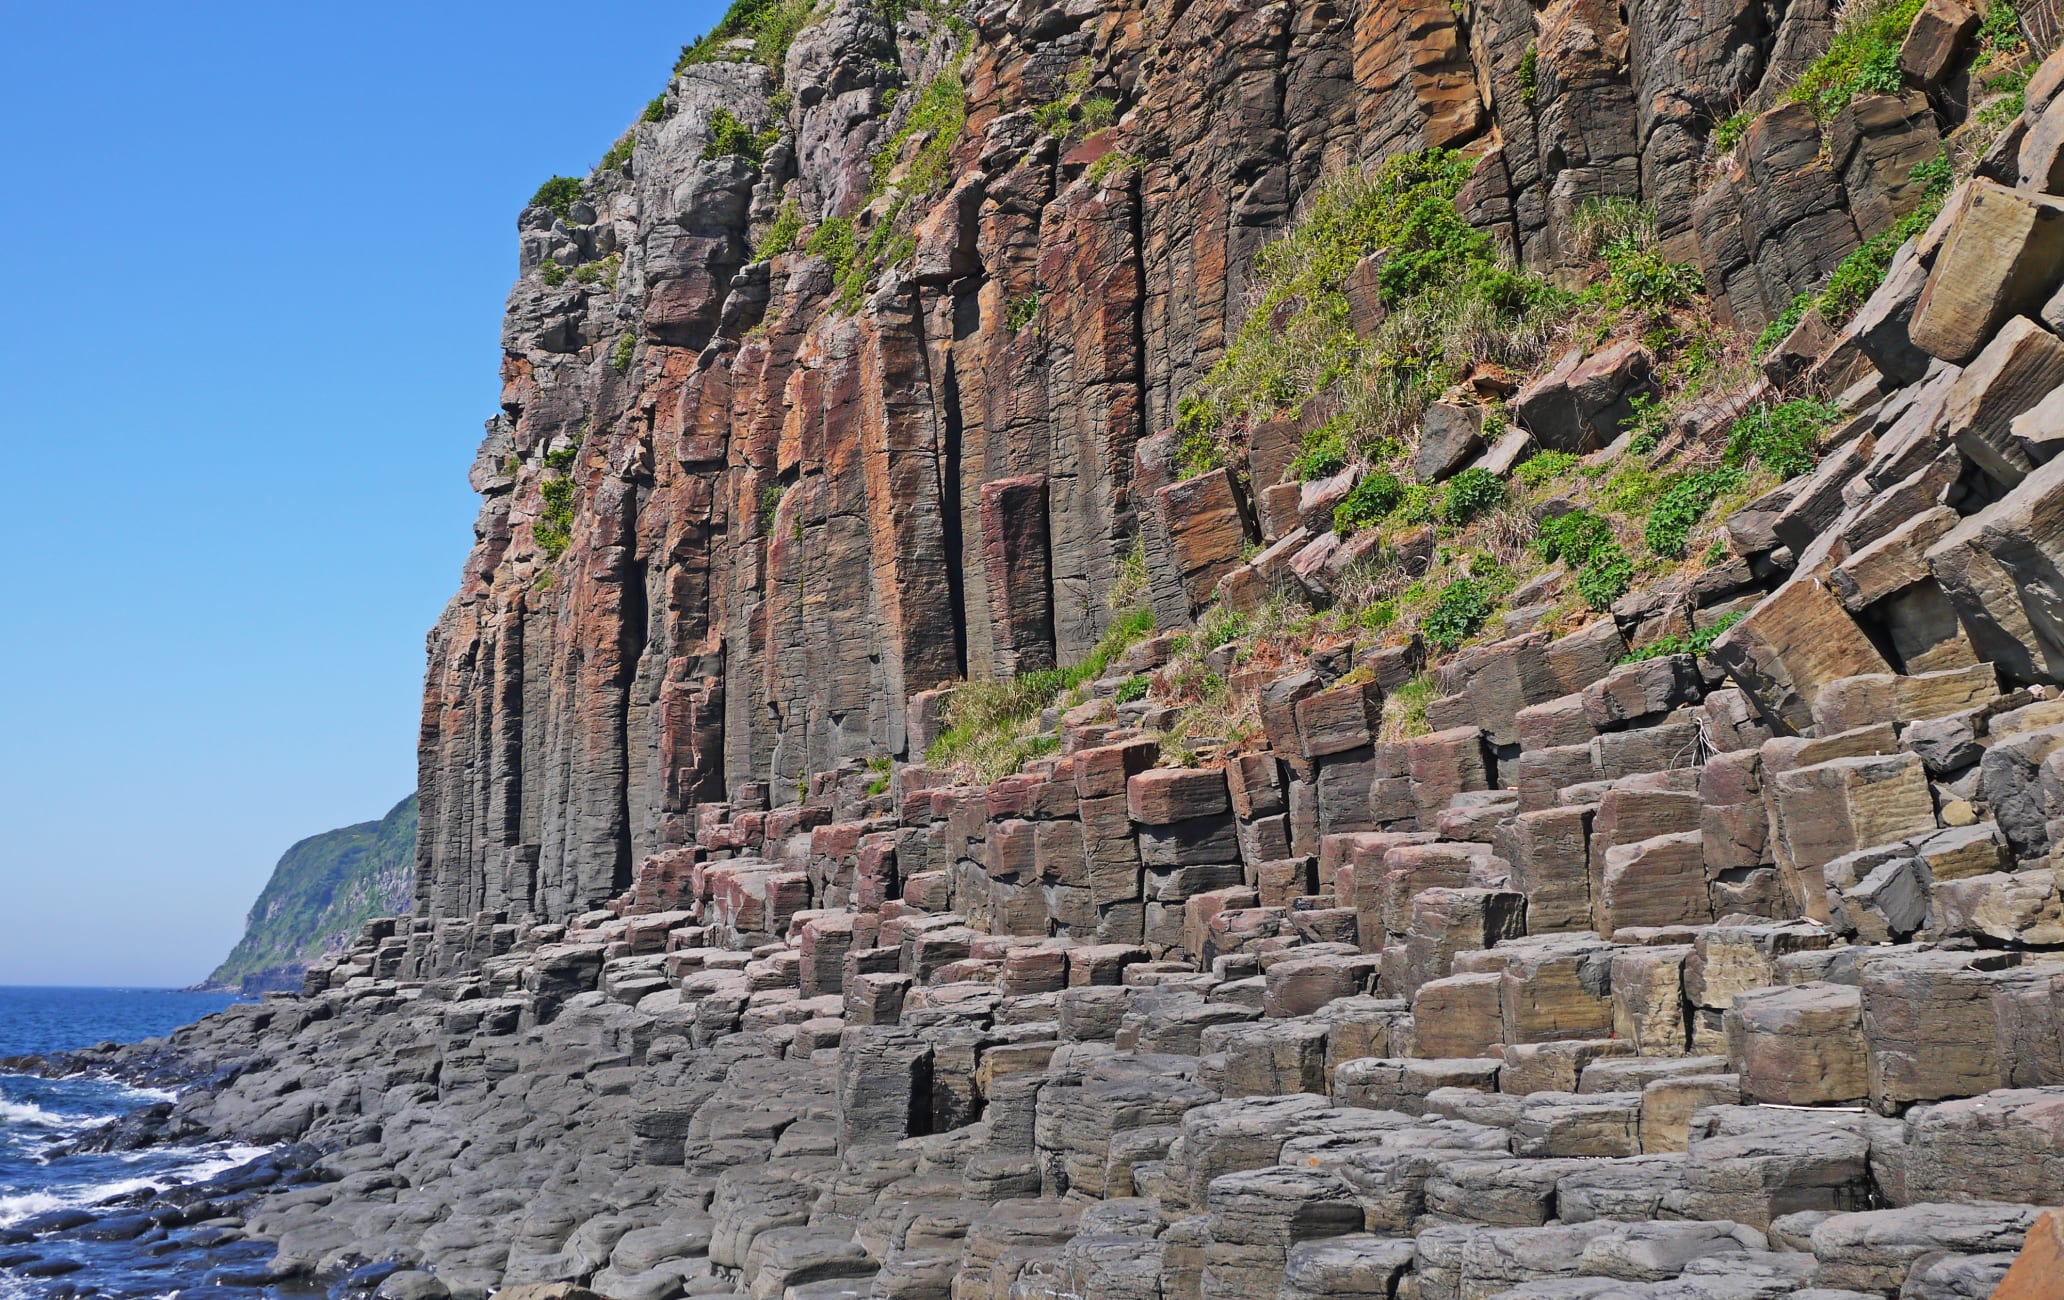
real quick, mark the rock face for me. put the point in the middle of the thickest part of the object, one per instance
(1657, 956)
(739, 512)
(322, 892)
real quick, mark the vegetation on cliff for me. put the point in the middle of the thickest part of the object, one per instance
(321, 892)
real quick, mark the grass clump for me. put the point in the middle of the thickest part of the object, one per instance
(1077, 113)
(1781, 438)
(559, 194)
(1727, 133)
(772, 25)
(626, 347)
(984, 720)
(881, 771)
(1863, 58)
(1682, 505)
(833, 241)
(1544, 467)
(1131, 689)
(1453, 303)
(781, 236)
(1696, 644)
(655, 109)
(938, 112)
(1110, 164)
(619, 153)
(1530, 75)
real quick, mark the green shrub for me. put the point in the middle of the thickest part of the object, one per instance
(619, 153)
(1077, 113)
(730, 137)
(1682, 505)
(558, 194)
(1605, 577)
(1469, 494)
(770, 506)
(555, 274)
(781, 236)
(1529, 75)
(1572, 537)
(626, 348)
(1458, 613)
(554, 527)
(1863, 58)
(1781, 438)
(655, 109)
(1543, 467)
(1323, 454)
(1131, 689)
(1020, 311)
(603, 272)
(1373, 496)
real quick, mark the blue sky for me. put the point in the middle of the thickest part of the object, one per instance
(255, 259)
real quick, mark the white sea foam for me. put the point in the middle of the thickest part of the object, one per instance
(198, 1163)
(28, 1114)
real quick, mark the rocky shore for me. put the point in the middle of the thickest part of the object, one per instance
(1007, 737)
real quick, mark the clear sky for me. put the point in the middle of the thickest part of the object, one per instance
(254, 263)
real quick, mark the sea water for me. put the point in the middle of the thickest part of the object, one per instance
(38, 1115)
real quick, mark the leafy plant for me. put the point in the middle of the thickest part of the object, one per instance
(833, 241)
(655, 109)
(1323, 454)
(559, 194)
(938, 112)
(1605, 577)
(603, 272)
(1682, 505)
(1020, 311)
(1529, 75)
(1572, 537)
(1458, 613)
(1373, 496)
(1131, 689)
(619, 153)
(555, 274)
(1781, 438)
(1727, 133)
(770, 506)
(626, 347)
(1697, 643)
(1862, 59)
(1469, 494)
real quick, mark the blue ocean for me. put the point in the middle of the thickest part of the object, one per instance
(38, 1184)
